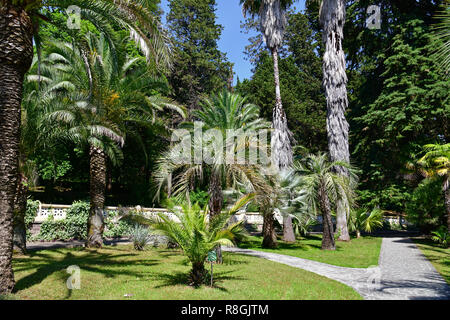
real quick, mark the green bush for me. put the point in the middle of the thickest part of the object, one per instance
(199, 196)
(74, 226)
(114, 228)
(393, 197)
(426, 206)
(30, 215)
(140, 237)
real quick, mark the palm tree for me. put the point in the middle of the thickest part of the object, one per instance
(223, 113)
(332, 19)
(30, 142)
(323, 188)
(197, 233)
(436, 163)
(16, 54)
(272, 15)
(365, 220)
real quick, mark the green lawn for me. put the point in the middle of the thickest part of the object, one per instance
(112, 272)
(358, 253)
(438, 256)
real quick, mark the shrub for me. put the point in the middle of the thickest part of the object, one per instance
(139, 236)
(441, 236)
(426, 206)
(199, 196)
(30, 215)
(74, 226)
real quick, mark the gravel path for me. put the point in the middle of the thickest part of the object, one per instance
(403, 272)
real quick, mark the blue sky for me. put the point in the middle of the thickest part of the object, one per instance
(232, 41)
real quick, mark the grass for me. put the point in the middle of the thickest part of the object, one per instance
(358, 253)
(112, 272)
(438, 256)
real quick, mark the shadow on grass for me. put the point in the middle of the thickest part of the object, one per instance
(182, 278)
(47, 264)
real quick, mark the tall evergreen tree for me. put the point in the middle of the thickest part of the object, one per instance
(200, 68)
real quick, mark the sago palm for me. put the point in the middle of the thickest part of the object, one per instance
(323, 188)
(18, 24)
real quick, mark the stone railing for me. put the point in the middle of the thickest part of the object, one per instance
(59, 212)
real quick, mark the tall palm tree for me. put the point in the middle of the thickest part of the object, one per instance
(17, 27)
(436, 162)
(323, 188)
(332, 19)
(272, 18)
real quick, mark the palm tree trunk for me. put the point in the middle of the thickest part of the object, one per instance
(281, 142)
(328, 237)
(281, 137)
(97, 192)
(20, 208)
(216, 203)
(198, 273)
(16, 54)
(269, 235)
(332, 17)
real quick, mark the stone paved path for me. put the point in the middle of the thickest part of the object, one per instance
(403, 272)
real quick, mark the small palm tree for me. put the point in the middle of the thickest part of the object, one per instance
(323, 188)
(436, 163)
(197, 233)
(441, 236)
(365, 220)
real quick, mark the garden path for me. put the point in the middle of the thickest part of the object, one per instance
(403, 272)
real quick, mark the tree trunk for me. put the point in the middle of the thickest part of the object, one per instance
(288, 229)
(20, 208)
(281, 141)
(358, 234)
(97, 192)
(215, 194)
(269, 235)
(328, 237)
(447, 199)
(16, 54)
(332, 17)
(281, 136)
(216, 203)
(198, 273)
